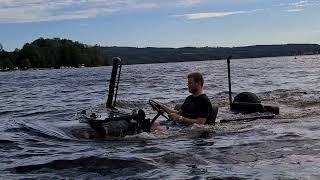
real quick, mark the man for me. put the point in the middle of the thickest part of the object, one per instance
(196, 109)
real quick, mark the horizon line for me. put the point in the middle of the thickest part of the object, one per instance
(141, 47)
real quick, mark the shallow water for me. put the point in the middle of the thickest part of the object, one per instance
(41, 136)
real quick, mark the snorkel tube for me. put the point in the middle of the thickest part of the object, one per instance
(116, 70)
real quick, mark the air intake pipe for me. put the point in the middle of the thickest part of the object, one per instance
(116, 70)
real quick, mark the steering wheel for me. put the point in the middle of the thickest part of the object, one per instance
(156, 106)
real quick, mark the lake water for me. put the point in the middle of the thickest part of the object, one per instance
(41, 136)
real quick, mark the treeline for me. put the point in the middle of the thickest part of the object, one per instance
(48, 53)
(131, 55)
(52, 53)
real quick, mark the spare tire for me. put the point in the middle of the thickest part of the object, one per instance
(247, 97)
(247, 102)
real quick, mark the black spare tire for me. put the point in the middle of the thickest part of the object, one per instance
(247, 102)
(247, 97)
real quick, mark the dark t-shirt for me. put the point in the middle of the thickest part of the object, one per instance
(196, 107)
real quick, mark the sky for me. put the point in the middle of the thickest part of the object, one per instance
(160, 23)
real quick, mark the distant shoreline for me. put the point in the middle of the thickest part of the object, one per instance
(59, 53)
(34, 69)
(15, 69)
(149, 55)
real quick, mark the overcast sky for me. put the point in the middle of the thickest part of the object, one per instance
(160, 23)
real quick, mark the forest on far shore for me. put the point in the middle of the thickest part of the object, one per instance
(57, 53)
(52, 53)
(132, 55)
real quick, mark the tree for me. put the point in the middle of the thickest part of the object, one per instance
(6, 64)
(33, 53)
(1, 47)
(24, 63)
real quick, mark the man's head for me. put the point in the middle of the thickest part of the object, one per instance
(195, 83)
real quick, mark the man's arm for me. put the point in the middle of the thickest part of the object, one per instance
(168, 109)
(188, 121)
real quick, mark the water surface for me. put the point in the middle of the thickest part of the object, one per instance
(41, 136)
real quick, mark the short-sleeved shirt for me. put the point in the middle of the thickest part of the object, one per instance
(196, 107)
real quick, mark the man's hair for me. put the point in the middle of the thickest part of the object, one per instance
(197, 77)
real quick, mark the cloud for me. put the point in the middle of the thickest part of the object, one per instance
(21, 11)
(294, 10)
(304, 3)
(300, 4)
(145, 6)
(206, 15)
(17, 11)
(211, 15)
(190, 2)
(29, 15)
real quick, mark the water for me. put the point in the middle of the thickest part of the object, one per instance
(41, 136)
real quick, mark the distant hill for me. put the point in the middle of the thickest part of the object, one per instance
(52, 53)
(131, 55)
(56, 53)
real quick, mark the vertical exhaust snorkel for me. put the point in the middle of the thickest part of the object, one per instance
(116, 70)
(229, 80)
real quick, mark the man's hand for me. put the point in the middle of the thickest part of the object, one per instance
(164, 108)
(174, 116)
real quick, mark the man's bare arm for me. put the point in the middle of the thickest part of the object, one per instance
(169, 110)
(188, 121)
(200, 121)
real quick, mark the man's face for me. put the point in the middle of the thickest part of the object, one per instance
(192, 86)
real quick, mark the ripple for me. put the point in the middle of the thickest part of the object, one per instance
(101, 165)
(174, 158)
(4, 141)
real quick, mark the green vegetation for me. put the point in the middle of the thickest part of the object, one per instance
(48, 53)
(52, 53)
(131, 55)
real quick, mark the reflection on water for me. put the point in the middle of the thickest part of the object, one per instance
(41, 136)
